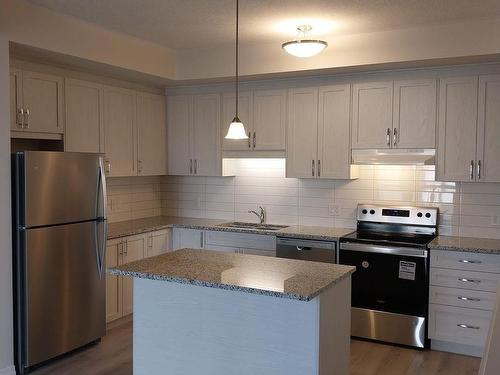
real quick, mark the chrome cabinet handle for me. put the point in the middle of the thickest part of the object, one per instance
(312, 169)
(195, 166)
(468, 299)
(190, 166)
(108, 167)
(249, 139)
(319, 168)
(479, 169)
(465, 280)
(395, 137)
(20, 118)
(120, 248)
(139, 166)
(468, 326)
(388, 137)
(471, 169)
(254, 139)
(202, 239)
(126, 247)
(470, 261)
(27, 114)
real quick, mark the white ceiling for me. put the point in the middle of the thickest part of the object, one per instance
(203, 23)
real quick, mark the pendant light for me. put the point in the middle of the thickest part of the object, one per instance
(236, 128)
(302, 47)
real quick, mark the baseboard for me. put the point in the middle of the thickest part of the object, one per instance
(11, 370)
(446, 346)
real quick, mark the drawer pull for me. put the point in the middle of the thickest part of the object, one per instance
(465, 280)
(469, 299)
(470, 261)
(468, 326)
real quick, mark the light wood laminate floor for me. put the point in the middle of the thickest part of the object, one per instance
(113, 356)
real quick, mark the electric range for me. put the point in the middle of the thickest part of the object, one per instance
(390, 288)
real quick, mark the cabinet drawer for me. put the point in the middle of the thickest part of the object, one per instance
(472, 280)
(465, 261)
(241, 240)
(459, 325)
(472, 299)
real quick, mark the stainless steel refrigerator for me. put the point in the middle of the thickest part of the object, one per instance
(59, 236)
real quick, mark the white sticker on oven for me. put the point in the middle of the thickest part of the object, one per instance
(407, 270)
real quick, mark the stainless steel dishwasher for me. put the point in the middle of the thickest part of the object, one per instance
(313, 250)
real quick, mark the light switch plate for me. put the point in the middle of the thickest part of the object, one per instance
(334, 209)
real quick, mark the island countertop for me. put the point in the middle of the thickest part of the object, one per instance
(278, 277)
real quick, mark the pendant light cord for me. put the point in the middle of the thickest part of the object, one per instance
(237, 57)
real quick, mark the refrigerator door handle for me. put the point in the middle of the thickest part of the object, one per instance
(102, 189)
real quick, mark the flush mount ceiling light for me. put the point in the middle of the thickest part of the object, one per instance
(236, 128)
(302, 47)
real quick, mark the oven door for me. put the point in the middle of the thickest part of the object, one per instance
(391, 279)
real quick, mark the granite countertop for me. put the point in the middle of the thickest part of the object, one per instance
(277, 277)
(468, 244)
(131, 227)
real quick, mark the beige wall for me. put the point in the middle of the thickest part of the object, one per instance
(25, 23)
(6, 356)
(454, 41)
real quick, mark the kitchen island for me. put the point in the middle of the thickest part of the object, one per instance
(208, 312)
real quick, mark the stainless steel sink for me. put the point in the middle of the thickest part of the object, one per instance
(243, 225)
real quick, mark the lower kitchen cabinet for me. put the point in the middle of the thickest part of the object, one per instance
(188, 238)
(462, 298)
(159, 242)
(119, 290)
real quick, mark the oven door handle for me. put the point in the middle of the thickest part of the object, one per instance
(370, 248)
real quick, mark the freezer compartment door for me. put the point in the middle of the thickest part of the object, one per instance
(65, 293)
(59, 187)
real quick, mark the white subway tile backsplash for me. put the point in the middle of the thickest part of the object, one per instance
(465, 208)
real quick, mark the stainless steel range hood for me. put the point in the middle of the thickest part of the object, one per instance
(394, 156)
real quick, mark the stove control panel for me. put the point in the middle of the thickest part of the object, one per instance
(398, 215)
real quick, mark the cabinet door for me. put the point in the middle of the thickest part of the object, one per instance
(179, 119)
(15, 100)
(245, 105)
(302, 134)
(84, 123)
(42, 97)
(188, 238)
(159, 242)
(415, 114)
(372, 115)
(488, 134)
(269, 120)
(205, 137)
(334, 152)
(113, 283)
(134, 249)
(151, 135)
(120, 131)
(457, 129)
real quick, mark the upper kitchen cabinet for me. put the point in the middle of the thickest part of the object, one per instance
(414, 121)
(318, 133)
(372, 115)
(16, 120)
(488, 130)
(84, 116)
(194, 135)
(205, 139)
(245, 113)
(120, 131)
(38, 101)
(269, 120)
(179, 119)
(151, 135)
(457, 128)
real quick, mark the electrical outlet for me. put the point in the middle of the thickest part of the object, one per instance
(334, 209)
(495, 220)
